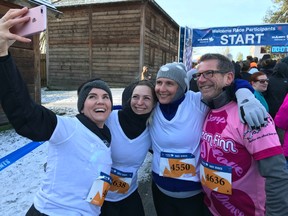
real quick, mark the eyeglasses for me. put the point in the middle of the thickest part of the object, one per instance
(206, 74)
(262, 81)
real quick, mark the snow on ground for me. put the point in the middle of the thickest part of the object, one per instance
(21, 180)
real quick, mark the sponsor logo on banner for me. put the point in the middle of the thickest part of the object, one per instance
(274, 34)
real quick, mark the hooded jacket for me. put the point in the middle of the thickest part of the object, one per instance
(277, 88)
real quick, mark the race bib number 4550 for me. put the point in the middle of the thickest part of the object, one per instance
(177, 165)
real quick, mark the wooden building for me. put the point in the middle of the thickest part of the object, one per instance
(111, 40)
(26, 56)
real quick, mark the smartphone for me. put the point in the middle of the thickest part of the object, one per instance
(36, 24)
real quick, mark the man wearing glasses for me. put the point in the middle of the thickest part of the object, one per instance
(236, 161)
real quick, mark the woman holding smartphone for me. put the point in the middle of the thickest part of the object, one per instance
(79, 156)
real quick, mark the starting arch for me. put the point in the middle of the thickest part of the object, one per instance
(255, 35)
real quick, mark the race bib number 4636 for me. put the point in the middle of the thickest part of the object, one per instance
(216, 177)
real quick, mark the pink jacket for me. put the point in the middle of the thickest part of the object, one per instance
(281, 121)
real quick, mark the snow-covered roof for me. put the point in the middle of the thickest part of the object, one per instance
(67, 3)
(84, 2)
(48, 3)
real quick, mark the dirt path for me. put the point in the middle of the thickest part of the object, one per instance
(146, 195)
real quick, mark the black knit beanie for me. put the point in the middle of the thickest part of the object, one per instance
(84, 90)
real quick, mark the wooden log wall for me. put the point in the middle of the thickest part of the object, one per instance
(102, 41)
(155, 39)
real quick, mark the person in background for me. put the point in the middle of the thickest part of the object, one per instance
(194, 63)
(277, 88)
(192, 83)
(79, 155)
(249, 58)
(244, 73)
(242, 171)
(145, 74)
(175, 132)
(281, 121)
(266, 65)
(130, 144)
(253, 68)
(276, 91)
(256, 60)
(284, 60)
(264, 57)
(237, 66)
(259, 82)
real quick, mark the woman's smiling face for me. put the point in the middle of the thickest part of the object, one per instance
(97, 106)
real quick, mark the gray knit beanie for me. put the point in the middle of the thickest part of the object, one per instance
(177, 72)
(84, 90)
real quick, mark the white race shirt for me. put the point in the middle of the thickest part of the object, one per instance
(73, 164)
(127, 155)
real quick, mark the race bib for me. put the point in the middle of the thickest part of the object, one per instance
(177, 165)
(99, 189)
(216, 177)
(121, 181)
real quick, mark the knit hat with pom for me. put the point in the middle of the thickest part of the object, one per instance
(177, 72)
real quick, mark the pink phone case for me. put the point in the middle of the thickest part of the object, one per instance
(36, 24)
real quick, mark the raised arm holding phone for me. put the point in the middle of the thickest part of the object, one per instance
(79, 157)
(10, 19)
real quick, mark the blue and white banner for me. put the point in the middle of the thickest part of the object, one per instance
(181, 43)
(16, 155)
(187, 57)
(270, 34)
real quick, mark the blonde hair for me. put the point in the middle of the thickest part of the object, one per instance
(144, 70)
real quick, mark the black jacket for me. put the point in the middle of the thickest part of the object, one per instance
(277, 88)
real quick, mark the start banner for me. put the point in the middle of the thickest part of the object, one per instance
(256, 35)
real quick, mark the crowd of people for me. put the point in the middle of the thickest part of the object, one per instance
(215, 151)
(272, 84)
